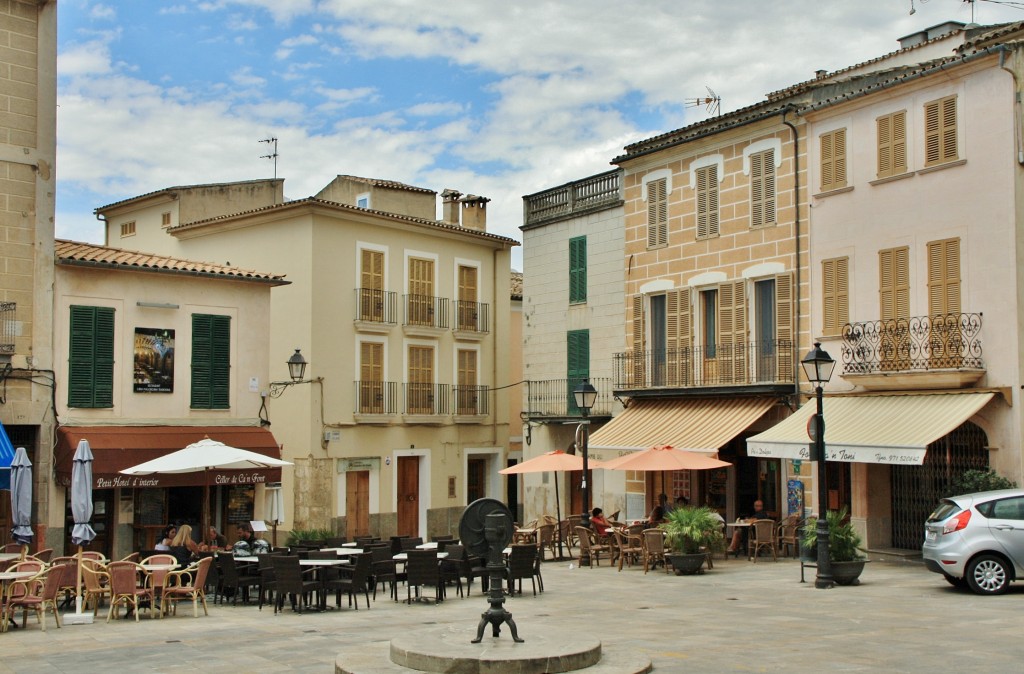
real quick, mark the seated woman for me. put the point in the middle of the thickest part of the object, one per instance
(599, 523)
(656, 517)
(183, 547)
(164, 544)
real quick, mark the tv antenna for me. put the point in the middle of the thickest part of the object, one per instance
(272, 155)
(712, 102)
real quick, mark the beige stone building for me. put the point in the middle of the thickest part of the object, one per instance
(28, 96)
(153, 353)
(400, 418)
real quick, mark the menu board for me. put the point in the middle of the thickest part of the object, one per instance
(240, 504)
(149, 506)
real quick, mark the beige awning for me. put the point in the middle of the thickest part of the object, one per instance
(693, 424)
(871, 429)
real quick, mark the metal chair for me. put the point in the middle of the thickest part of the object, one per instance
(423, 570)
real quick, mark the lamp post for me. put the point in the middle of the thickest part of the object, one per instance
(818, 366)
(585, 395)
(296, 371)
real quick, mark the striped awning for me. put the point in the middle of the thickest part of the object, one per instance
(895, 429)
(694, 424)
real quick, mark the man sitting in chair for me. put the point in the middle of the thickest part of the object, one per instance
(739, 534)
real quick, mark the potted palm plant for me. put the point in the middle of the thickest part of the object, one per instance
(691, 533)
(843, 546)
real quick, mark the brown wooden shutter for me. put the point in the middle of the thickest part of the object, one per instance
(466, 402)
(784, 326)
(707, 201)
(940, 131)
(371, 284)
(467, 307)
(679, 336)
(828, 161)
(371, 378)
(894, 283)
(892, 144)
(757, 189)
(732, 332)
(657, 213)
(944, 277)
(639, 364)
(421, 379)
(835, 295)
(421, 291)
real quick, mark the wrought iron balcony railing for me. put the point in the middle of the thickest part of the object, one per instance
(427, 399)
(8, 328)
(728, 364)
(472, 316)
(554, 398)
(376, 306)
(573, 198)
(377, 397)
(920, 343)
(426, 311)
(471, 400)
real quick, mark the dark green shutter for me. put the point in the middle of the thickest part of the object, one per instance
(211, 361)
(578, 269)
(578, 362)
(91, 357)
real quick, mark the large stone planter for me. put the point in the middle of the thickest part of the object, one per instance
(687, 565)
(848, 573)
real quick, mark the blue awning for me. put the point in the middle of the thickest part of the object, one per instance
(6, 456)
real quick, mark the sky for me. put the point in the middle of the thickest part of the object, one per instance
(498, 99)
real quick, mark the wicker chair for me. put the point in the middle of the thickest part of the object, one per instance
(383, 570)
(125, 588)
(546, 540)
(654, 549)
(589, 548)
(355, 581)
(789, 539)
(762, 537)
(189, 583)
(628, 547)
(32, 593)
(289, 580)
(522, 562)
(230, 577)
(96, 582)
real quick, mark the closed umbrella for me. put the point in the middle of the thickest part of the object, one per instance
(81, 509)
(555, 461)
(21, 498)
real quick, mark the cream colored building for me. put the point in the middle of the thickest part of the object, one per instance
(401, 418)
(28, 137)
(154, 353)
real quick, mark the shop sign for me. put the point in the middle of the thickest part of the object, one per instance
(367, 463)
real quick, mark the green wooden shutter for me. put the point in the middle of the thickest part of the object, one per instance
(211, 361)
(577, 348)
(578, 269)
(91, 357)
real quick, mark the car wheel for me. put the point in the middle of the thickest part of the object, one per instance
(988, 574)
(959, 583)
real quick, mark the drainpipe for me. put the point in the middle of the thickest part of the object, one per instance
(796, 237)
(1016, 107)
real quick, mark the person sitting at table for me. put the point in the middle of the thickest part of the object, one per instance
(656, 517)
(599, 523)
(739, 534)
(182, 546)
(243, 546)
(164, 544)
(214, 540)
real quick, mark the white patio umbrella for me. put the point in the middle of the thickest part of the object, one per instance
(204, 456)
(21, 498)
(81, 509)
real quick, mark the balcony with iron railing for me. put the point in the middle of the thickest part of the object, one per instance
(941, 351)
(470, 401)
(376, 309)
(376, 398)
(426, 312)
(376, 401)
(472, 318)
(8, 327)
(575, 198)
(426, 400)
(553, 398)
(766, 365)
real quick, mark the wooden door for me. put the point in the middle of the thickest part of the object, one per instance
(467, 298)
(408, 496)
(357, 503)
(371, 283)
(421, 292)
(476, 479)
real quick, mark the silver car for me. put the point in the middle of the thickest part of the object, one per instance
(977, 540)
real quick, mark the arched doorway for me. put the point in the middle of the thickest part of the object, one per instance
(916, 489)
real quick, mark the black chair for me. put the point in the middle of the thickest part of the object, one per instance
(410, 543)
(335, 542)
(422, 570)
(474, 567)
(289, 580)
(451, 566)
(356, 580)
(445, 537)
(231, 578)
(384, 570)
(522, 563)
(268, 582)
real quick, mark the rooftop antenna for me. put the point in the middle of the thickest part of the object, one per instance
(272, 155)
(712, 102)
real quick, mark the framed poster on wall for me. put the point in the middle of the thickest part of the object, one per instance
(154, 360)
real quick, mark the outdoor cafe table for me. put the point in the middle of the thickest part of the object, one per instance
(317, 564)
(9, 556)
(403, 557)
(341, 552)
(739, 524)
(427, 546)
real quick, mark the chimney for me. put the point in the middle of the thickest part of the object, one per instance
(820, 74)
(450, 206)
(474, 212)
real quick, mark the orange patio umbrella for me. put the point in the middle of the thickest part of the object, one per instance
(664, 457)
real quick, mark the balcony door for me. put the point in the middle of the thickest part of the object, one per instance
(894, 308)
(946, 344)
(420, 393)
(421, 292)
(467, 392)
(468, 318)
(371, 285)
(764, 330)
(371, 378)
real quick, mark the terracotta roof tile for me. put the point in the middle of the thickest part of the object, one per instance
(88, 254)
(390, 184)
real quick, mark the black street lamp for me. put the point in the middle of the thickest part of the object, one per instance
(585, 395)
(296, 370)
(818, 366)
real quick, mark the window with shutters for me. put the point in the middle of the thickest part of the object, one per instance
(657, 213)
(730, 365)
(835, 295)
(420, 387)
(91, 357)
(833, 160)
(940, 137)
(707, 201)
(762, 189)
(894, 308)
(371, 378)
(578, 270)
(165, 219)
(420, 309)
(371, 285)
(468, 309)
(577, 352)
(128, 228)
(892, 144)
(944, 277)
(467, 392)
(211, 362)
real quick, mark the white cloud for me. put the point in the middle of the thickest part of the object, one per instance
(244, 77)
(89, 58)
(346, 96)
(436, 109)
(102, 12)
